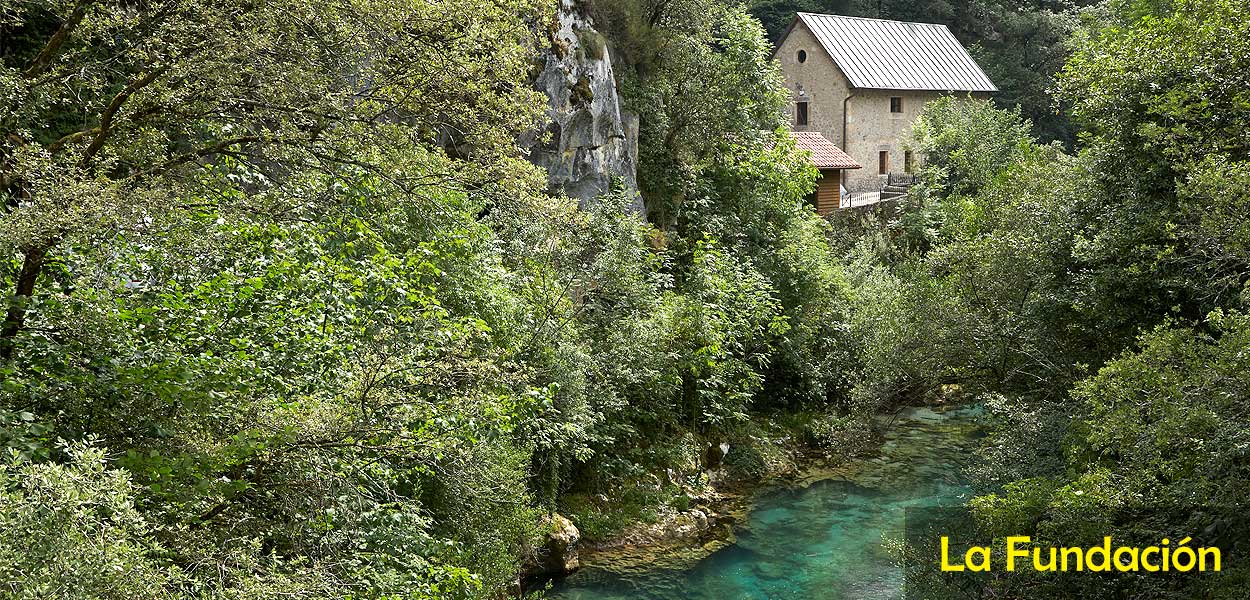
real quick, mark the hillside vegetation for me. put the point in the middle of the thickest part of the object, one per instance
(289, 315)
(1095, 301)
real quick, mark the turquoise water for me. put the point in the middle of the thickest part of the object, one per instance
(823, 541)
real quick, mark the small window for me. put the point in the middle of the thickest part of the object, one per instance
(800, 113)
(802, 56)
(909, 164)
(883, 162)
(896, 105)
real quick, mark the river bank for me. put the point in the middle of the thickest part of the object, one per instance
(820, 527)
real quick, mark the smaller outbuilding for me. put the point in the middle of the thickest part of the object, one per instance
(832, 162)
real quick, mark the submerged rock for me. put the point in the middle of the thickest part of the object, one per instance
(589, 141)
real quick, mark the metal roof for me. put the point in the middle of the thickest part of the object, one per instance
(894, 55)
(825, 155)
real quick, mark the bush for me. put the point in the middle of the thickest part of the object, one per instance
(967, 142)
(72, 531)
(839, 435)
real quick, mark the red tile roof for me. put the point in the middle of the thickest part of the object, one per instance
(825, 155)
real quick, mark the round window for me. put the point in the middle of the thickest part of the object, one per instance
(802, 56)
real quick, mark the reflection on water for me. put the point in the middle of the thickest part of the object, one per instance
(822, 541)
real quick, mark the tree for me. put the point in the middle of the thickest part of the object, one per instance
(1154, 449)
(250, 262)
(1163, 102)
(114, 108)
(968, 143)
(1120, 278)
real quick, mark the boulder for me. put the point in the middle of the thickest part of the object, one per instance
(690, 524)
(558, 554)
(686, 525)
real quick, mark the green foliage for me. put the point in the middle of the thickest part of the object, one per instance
(1095, 301)
(718, 62)
(728, 173)
(839, 435)
(1162, 413)
(726, 325)
(973, 286)
(270, 359)
(725, 187)
(1215, 197)
(285, 267)
(1154, 452)
(21, 432)
(968, 143)
(760, 449)
(601, 518)
(1165, 104)
(263, 284)
(73, 531)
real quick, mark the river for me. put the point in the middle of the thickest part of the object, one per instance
(824, 540)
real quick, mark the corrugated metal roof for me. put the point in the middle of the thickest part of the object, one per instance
(825, 155)
(894, 55)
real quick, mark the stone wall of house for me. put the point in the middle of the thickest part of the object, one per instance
(870, 126)
(817, 79)
(872, 129)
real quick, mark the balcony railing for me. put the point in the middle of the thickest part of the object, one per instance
(858, 199)
(901, 179)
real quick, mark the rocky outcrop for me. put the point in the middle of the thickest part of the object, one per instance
(589, 140)
(685, 525)
(558, 554)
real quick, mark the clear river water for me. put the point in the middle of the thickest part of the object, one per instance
(824, 541)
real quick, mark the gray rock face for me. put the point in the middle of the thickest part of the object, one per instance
(588, 140)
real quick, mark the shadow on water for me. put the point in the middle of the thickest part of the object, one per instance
(825, 540)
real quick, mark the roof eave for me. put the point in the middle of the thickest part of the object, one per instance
(906, 89)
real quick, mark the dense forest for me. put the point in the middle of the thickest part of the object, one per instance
(290, 315)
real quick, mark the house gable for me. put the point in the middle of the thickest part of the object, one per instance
(816, 79)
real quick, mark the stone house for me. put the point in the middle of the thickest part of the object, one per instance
(861, 82)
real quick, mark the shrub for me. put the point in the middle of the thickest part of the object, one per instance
(72, 531)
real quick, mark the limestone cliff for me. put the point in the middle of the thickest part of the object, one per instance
(589, 140)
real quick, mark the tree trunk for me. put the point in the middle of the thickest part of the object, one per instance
(32, 265)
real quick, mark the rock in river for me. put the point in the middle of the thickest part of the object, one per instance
(558, 555)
